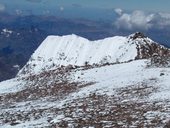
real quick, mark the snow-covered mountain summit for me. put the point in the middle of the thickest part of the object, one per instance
(56, 51)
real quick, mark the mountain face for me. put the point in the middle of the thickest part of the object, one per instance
(21, 35)
(72, 82)
(58, 51)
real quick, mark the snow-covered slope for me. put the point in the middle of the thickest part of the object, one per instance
(111, 95)
(75, 50)
(56, 51)
(107, 94)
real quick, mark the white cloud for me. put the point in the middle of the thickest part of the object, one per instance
(163, 18)
(61, 8)
(141, 20)
(119, 11)
(2, 7)
(137, 19)
(18, 12)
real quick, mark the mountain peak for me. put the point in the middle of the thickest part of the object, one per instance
(57, 51)
(70, 36)
(137, 35)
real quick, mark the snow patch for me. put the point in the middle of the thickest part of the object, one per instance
(11, 86)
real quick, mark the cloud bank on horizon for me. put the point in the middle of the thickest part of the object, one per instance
(134, 19)
(141, 20)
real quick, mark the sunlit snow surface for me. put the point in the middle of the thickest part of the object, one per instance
(11, 86)
(75, 50)
(107, 81)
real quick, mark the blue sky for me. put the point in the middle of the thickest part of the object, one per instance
(41, 5)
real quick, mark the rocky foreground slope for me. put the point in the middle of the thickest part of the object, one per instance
(72, 82)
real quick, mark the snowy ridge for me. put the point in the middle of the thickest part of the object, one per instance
(67, 50)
